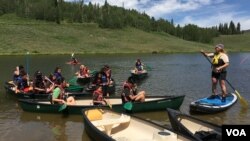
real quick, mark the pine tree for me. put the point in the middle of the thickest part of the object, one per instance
(232, 29)
(238, 28)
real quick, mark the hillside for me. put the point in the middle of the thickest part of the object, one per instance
(235, 43)
(19, 36)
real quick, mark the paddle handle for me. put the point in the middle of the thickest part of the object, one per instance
(49, 80)
(108, 103)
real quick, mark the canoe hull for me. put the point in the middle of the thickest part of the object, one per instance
(146, 130)
(189, 125)
(174, 102)
(139, 75)
(208, 106)
(84, 81)
(171, 102)
(111, 88)
(10, 91)
(74, 88)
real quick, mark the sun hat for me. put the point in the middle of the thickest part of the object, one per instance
(221, 46)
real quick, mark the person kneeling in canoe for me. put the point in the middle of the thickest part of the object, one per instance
(138, 66)
(21, 80)
(129, 92)
(98, 98)
(59, 96)
(83, 72)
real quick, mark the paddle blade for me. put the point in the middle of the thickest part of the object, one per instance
(93, 73)
(62, 107)
(110, 106)
(108, 103)
(243, 102)
(73, 81)
(128, 106)
(148, 67)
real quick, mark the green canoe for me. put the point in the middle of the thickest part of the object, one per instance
(139, 75)
(152, 103)
(75, 91)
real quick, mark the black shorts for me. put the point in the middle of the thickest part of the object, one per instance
(105, 90)
(220, 76)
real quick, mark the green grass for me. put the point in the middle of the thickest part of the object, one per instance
(19, 36)
(235, 43)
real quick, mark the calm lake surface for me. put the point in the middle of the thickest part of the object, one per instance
(169, 74)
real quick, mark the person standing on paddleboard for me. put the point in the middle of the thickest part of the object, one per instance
(220, 61)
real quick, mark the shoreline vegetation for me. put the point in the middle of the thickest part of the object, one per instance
(20, 35)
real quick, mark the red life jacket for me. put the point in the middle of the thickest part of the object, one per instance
(84, 72)
(123, 96)
(99, 95)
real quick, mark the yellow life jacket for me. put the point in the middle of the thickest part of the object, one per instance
(216, 58)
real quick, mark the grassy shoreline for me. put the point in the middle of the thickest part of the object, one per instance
(19, 36)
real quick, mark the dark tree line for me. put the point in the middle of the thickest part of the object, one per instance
(108, 16)
(230, 29)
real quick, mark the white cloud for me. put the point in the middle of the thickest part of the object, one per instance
(216, 20)
(170, 6)
(204, 13)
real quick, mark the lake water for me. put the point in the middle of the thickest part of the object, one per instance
(169, 74)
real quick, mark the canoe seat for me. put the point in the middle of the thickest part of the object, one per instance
(122, 139)
(95, 114)
(108, 124)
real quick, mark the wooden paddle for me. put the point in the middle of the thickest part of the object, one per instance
(27, 62)
(242, 100)
(27, 67)
(48, 80)
(108, 103)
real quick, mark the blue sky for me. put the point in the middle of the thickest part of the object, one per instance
(204, 13)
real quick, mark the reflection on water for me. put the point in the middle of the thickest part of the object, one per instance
(172, 74)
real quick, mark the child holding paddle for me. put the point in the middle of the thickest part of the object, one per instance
(138, 66)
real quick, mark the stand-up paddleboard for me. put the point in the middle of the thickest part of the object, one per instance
(207, 105)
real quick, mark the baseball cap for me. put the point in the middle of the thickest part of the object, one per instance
(221, 46)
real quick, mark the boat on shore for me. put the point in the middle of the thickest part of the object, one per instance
(215, 105)
(106, 125)
(152, 103)
(193, 127)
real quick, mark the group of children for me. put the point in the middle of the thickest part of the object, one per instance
(41, 84)
(55, 84)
